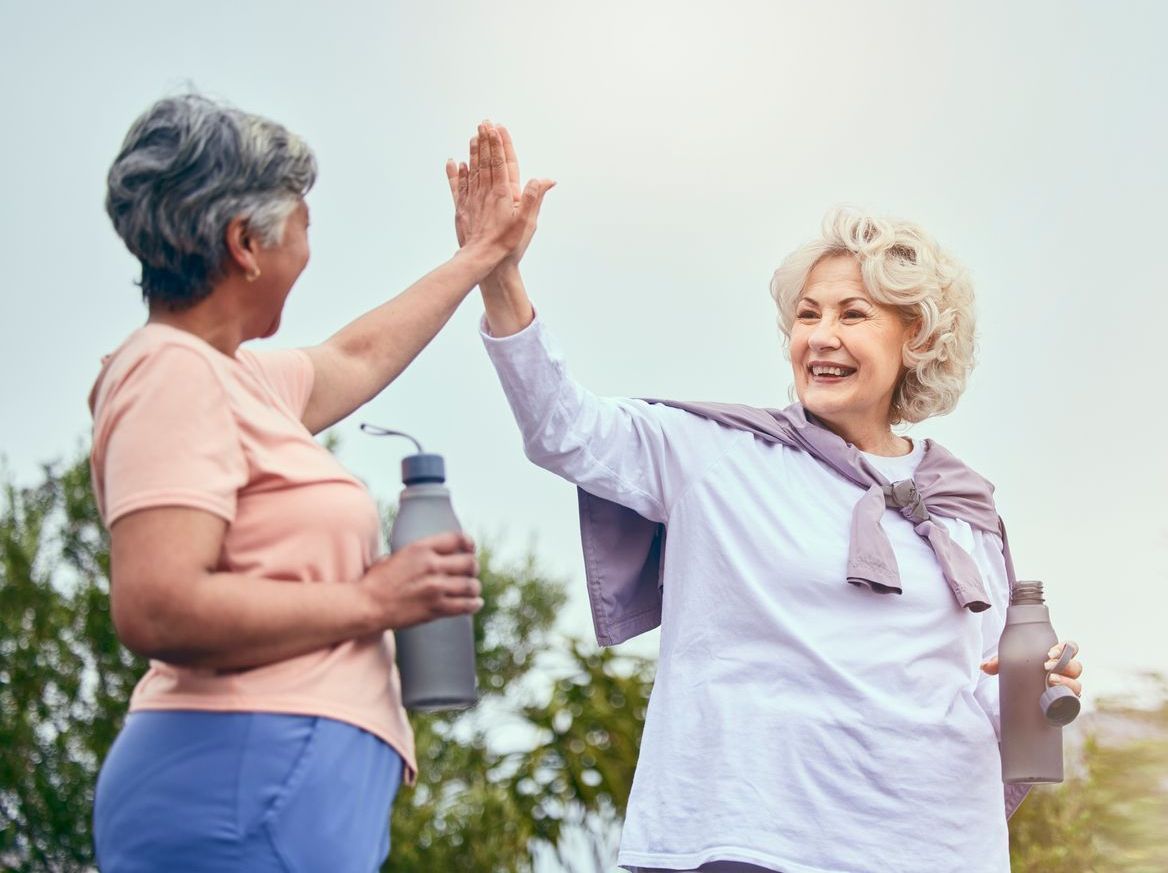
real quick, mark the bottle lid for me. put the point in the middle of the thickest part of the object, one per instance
(417, 469)
(1060, 705)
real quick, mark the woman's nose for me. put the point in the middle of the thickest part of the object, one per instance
(824, 335)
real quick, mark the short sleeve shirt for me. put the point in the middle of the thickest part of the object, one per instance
(178, 423)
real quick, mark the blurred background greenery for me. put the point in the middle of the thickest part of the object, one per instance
(533, 779)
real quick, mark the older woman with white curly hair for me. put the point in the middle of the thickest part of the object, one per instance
(798, 723)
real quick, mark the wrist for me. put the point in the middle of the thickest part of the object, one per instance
(480, 258)
(502, 280)
(373, 613)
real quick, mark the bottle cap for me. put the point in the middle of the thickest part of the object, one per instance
(417, 469)
(1060, 705)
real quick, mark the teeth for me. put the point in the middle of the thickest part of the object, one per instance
(830, 371)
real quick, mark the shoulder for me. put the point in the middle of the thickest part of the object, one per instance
(941, 462)
(709, 423)
(156, 356)
(289, 373)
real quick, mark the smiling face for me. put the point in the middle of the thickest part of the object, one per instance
(846, 350)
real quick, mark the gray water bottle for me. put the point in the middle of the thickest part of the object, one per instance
(1033, 711)
(436, 659)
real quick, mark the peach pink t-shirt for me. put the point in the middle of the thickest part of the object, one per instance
(178, 423)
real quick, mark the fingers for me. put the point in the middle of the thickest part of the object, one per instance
(492, 161)
(452, 178)
(449, 543)
(1069, 674)
(464, 587)
(484, 140)
(1073, 684)
(533, 194)
(990, 667)
(512, 162)
(1056, 651)
(499, 176)
(457, 595)
(473, 169)
(461, 564)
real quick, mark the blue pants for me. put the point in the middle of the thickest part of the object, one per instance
(225, 791)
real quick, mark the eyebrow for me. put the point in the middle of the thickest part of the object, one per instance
(843, 302)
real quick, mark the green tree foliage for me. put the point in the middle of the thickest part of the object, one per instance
(64, 679)
(1111, 814)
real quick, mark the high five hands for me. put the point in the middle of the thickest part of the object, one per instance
(489, 207)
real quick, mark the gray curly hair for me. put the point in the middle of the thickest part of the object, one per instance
(188, 166)
(901, 266)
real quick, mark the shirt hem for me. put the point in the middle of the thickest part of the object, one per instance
(693, 860)
(161, 499)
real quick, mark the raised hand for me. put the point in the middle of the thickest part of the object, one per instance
(492, 165)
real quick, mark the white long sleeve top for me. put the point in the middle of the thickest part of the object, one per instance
(797, 722)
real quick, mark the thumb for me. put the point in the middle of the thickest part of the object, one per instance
(533, 194)
(990, 666)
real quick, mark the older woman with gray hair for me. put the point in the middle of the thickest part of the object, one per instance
(268, 732)
(798, 723)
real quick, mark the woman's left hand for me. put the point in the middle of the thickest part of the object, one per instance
(1068, 675)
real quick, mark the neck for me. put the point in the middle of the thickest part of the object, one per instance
(873, 437)
(216, 319)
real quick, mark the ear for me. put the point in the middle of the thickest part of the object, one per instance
(241, 246)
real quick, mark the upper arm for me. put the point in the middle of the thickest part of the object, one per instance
(990, 558)
(168, 464)
(991, 562)
(339, 387)
(641, 455)
(157, 555)
(634, 453)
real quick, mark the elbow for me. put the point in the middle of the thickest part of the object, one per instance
(148, 625)
(137, 633)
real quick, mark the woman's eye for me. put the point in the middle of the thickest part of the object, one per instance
(855, 313)
(806, 313)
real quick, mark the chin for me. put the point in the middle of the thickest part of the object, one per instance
(825, 408)
(272, 328)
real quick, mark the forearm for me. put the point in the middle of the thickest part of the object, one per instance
(360, 360)
(508, 308)
(229, 620)
(613, 448)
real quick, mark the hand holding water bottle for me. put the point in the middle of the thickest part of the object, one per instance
(428, 579)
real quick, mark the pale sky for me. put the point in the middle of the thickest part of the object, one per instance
(694, 146)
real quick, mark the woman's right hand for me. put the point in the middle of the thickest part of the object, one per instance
(428, 579)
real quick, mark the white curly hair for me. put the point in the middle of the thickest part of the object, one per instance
(901, 266)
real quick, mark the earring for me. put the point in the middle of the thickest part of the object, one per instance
(251, 277)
